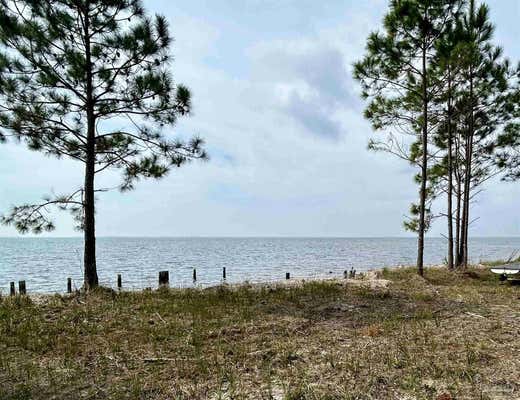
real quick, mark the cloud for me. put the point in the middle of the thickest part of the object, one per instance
(310, 82)
(315, 118)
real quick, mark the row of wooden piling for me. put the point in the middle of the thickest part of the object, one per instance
(349, 274)
(164, 280)
(22, 289)
(164, 277)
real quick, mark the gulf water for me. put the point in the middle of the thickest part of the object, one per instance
(46, 263)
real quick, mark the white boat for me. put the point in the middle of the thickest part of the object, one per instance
(507, 271)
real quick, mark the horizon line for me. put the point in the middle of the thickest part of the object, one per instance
(248, 237)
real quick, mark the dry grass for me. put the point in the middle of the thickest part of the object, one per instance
(450, 336)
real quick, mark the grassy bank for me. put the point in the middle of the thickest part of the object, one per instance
(451, 336)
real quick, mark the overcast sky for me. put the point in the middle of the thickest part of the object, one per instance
(274, 98)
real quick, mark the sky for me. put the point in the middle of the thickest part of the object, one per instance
(274, 98)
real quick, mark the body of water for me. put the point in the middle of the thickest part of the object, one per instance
(46, 263)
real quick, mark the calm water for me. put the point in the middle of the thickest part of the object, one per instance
(46, 263)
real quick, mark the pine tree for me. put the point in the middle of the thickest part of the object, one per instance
(483, 107)
(441, 173)
(90, 80)
(474, 108)
(395, 76)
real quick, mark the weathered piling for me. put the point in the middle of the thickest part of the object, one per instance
(12, 289)
(224, 273)
(287, 275)
(21, 287)
(119, 282)
(69, 285)
(194, 275)
(164, 278)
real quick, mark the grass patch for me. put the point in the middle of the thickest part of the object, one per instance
(447, 334)
(513, 259)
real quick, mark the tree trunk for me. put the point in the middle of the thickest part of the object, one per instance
(462, 228)
(469, 169)
(457, 222)
(424, 169)
(468, 161)
(89, 259)
(458, 194)
(464, 222)
(464, 250)
(450, 179)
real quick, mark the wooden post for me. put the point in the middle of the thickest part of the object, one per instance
(224, 273)
(13, 289)
(194, 275)
(21, 287)
(287, 275)
(119, 282)
(164, 278)
(69, 285)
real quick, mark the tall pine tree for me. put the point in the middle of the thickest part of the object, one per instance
(395, 76)
(473, 107)
(442, 171)
(90, 80)
(483, 107)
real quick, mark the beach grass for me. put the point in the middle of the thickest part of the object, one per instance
(399, 336)
(513, 259)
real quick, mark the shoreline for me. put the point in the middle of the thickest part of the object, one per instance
(371, 279)
(360, 276)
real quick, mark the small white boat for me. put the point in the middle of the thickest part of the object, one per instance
(507, 271)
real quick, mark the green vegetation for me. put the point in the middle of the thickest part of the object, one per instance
(399, 336)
